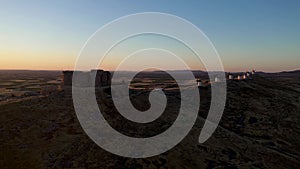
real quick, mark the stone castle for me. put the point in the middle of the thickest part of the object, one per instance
(103, 78)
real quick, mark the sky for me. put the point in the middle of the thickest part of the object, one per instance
(48, 35)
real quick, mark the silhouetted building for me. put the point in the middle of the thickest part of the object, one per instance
(217, 79)
(241, 76)
(247, 74)
(67, 78)
(230, 76)
(102, 78)
(199, 82)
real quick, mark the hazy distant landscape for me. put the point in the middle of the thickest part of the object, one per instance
(19, 84)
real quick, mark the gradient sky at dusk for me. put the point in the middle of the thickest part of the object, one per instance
(247, 34)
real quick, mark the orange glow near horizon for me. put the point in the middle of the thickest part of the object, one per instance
(33, 59)
(29, 61)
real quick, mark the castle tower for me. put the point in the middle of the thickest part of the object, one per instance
(106, 78)
(103, 78)
(66, 85)
(67, 79)
(98, 78)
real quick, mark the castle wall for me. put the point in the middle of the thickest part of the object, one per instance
(103, 78)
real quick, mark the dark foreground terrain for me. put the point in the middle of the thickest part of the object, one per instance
(259, 129)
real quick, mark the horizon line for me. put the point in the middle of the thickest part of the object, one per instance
(57, 70)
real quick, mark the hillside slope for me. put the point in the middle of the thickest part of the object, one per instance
(259, 129)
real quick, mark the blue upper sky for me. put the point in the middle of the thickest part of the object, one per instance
(247, 34)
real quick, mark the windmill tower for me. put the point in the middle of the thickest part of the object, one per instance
(217, 79)
(199, 82)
